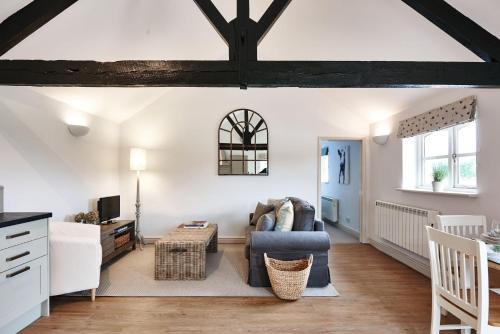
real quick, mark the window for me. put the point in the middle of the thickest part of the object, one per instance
(324, 169)
(454, 148)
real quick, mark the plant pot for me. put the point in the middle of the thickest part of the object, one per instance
(437, 186)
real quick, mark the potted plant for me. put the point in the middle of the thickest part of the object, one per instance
(80, 217)
(92, 217)
(439, 173)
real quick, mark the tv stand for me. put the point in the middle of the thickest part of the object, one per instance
(117, 238)
(109, 222)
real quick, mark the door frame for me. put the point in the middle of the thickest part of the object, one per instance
(363, 200)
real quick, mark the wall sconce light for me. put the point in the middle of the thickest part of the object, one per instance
(380, 140)
(78, 130)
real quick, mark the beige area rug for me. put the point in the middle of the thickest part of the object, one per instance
(133, 276)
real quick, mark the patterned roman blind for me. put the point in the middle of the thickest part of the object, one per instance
(452, 114)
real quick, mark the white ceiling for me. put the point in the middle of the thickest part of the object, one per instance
(307, 30)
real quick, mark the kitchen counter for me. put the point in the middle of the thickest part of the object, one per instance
(14, 218)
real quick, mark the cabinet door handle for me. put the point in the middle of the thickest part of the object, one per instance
(17, 235)
(20, 271)
(18, 256)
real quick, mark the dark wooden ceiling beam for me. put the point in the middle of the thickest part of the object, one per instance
(373, 74)
(27, 20)
(269, 17)
(132, 73)
(305, 74)
(218, 21)
(460, 27)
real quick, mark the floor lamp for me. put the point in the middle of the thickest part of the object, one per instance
(138, 164)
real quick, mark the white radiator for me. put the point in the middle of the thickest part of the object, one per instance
(329, 209)
(404, 225)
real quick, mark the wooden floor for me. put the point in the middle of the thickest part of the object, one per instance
(378, 295)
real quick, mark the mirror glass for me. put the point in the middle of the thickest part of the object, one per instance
(243, 144)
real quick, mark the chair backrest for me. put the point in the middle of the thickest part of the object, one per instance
(458, 263)
(462, 225)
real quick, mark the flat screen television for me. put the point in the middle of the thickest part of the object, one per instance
(108, 208)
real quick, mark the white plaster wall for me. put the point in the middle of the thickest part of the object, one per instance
(43, 167)
(386, 161)
(180, 131)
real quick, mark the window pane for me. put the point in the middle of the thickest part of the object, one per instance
(429, 166)
(467, 171)
(436, 144)
(467, 138)
(324, 168)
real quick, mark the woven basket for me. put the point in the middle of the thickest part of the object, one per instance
(288, 278)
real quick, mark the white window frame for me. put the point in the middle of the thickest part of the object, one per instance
(452, 157)
(325, 168)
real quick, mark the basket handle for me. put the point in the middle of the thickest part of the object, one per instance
(310, 260)
(266, 259)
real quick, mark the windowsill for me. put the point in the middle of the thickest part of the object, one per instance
(472, 194)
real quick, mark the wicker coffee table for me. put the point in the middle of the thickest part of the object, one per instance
(181, 254)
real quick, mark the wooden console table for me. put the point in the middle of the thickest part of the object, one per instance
(117, 238)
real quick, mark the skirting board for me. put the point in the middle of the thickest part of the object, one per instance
(347, 230)
(393, 251)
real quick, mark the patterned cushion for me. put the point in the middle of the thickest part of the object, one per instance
(284, 218)
(266, 222)
(276, 202)
(260, 210)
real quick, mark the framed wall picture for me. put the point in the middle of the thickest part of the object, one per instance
(344, 161)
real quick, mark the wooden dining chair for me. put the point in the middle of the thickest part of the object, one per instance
(449, 256)
(462, 225)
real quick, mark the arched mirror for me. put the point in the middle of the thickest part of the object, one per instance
(243, 144)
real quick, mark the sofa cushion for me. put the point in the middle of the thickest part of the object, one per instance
(284, 218)
(260, 210)
(276, 202)
(303, 215)
(266, 222)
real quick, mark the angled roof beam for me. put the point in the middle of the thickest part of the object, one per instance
(29, 19)
(218, 21)
(460, 27)
(270, 16)
(305, 74)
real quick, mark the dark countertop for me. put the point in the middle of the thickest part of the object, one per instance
(14, 218)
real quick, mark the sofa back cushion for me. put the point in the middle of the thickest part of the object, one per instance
(284, 218)
(260, 210)
(266, 222)
(303, 215)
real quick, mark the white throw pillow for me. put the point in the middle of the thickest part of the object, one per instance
(284, 218)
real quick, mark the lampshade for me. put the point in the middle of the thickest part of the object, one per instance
(381, 140)
(137, 159)
(78, 130)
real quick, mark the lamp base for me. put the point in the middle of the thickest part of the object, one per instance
(139, 239)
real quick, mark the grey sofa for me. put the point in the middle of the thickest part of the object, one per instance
(307, 237)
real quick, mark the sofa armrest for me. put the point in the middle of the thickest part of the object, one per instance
(75, 250)
(75, 230)
(319, 225)
(295, 241)
(75, 264)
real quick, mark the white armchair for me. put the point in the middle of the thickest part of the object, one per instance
(75, 257)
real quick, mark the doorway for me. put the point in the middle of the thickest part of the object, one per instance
(340, 188)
